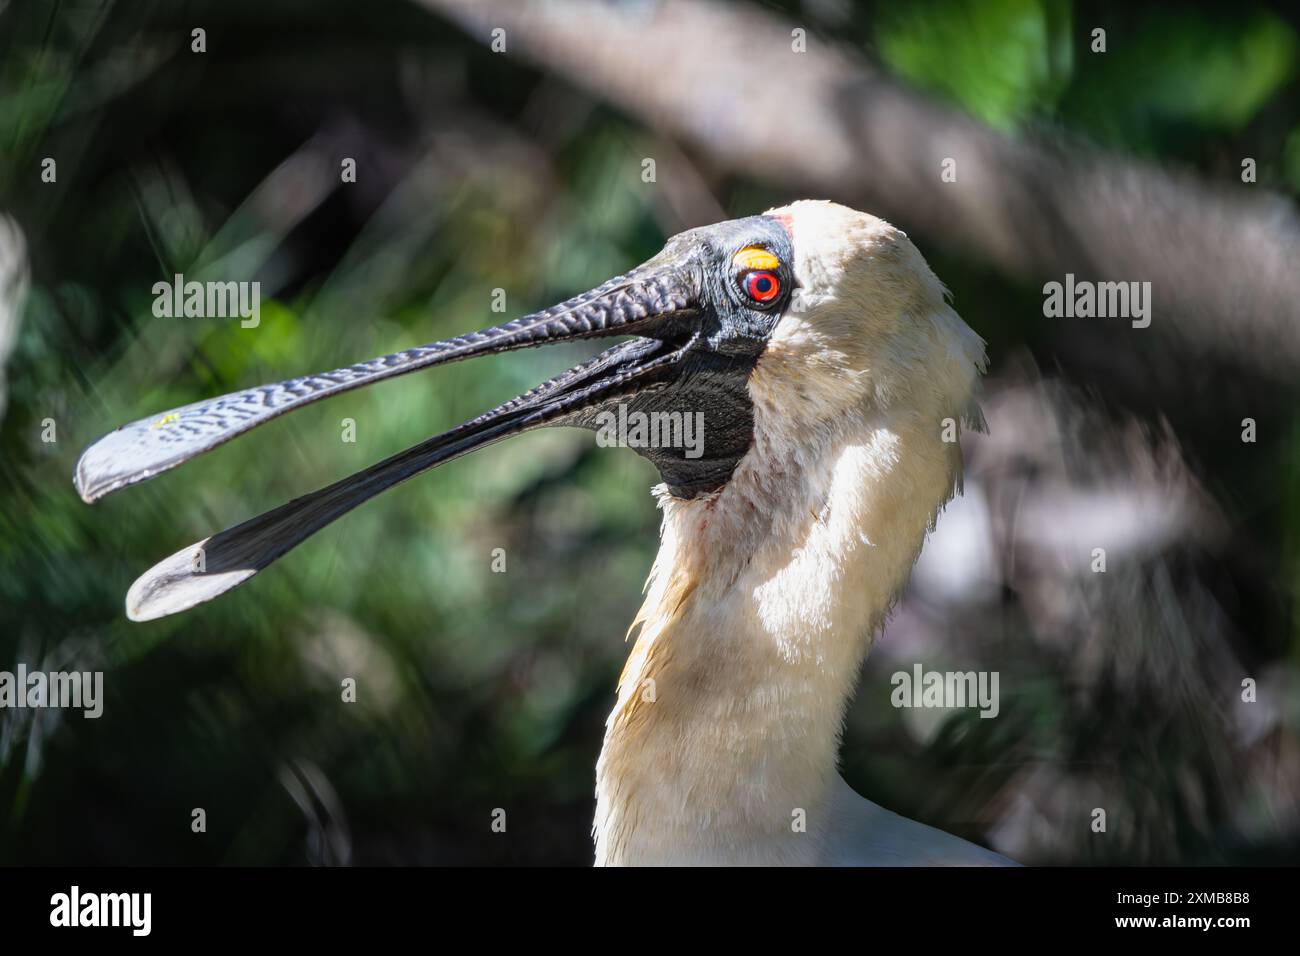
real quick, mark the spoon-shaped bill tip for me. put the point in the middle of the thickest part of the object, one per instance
(180, 582)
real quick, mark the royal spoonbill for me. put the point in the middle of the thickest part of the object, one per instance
(832, 378)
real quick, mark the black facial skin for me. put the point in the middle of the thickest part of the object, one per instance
(722, 336)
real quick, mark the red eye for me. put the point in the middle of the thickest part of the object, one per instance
(762, 286)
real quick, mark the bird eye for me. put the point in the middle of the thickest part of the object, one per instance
(762, 286)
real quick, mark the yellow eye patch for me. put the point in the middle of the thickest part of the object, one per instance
(165, 420)
(755, 257)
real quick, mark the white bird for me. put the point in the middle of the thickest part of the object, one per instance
(832, 377)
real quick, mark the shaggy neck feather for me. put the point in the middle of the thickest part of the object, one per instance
(760, 609)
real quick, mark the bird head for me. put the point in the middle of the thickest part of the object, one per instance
(867, 332)
(788, 320)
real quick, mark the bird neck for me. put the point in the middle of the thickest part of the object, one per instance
(760, 609)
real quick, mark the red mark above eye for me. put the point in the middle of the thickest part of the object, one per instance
(762, 286)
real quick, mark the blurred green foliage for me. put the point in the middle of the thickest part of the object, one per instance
(1005, 61)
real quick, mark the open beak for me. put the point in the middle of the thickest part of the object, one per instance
(657, 303)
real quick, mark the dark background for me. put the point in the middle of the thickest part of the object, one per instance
(478, 690)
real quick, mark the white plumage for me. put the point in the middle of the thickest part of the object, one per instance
(766, 595)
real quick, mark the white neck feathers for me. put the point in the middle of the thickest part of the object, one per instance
(760, 609)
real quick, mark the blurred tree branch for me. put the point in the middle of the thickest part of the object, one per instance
(1222, 259)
